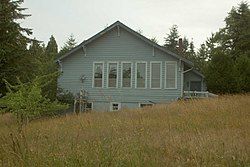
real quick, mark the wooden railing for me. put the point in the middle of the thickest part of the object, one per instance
(198, 94)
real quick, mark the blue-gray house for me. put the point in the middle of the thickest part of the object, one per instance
(120, 68)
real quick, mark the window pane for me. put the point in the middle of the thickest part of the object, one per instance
(112, 75)
(98, 76)
(126, 75)
(155, 75)
(141, 75)
(171, 75)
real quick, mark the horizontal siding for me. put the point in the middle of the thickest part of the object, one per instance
(111, 47)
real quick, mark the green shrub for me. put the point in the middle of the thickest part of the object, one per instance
(65, 96)
(26, 102)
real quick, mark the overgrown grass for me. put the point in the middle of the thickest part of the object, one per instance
(209, 132)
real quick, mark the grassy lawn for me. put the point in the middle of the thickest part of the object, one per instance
(209, 132)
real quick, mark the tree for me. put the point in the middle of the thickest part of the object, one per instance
(14, 58)
(154, 40)
(49, 67)
(185, 45)
(220, 75)
(26, 102)
(235, 36)
(52, 48)
(202, 58)
(228, 52)
(70, 44)
(171, 41)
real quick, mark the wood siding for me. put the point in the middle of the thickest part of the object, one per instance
(113, 48)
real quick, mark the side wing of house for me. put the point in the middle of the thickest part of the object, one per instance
(193, 81)
(119, 68)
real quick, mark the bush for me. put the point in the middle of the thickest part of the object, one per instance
(65, 96)
(26, 102)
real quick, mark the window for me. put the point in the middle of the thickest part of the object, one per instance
(171, 75)
(141, 74)
(112, 75)
(88, 106)
(141, 105)
(115, 106)
(155, 75)
(126, 75)
(98, 75)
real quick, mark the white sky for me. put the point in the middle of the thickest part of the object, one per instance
(196, 19)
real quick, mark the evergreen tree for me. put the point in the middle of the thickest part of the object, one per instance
(70, 44)
(202, 58)
(220, 74)
(52, 48)
(154, 40)
(171, 41)
(234, 45)
(14, 60)
(185, 45)
(50, 67)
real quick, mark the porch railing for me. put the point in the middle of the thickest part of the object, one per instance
(198, 94)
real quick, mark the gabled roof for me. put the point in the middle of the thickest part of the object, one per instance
(118, 23)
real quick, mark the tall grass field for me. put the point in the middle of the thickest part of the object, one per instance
(205, 132)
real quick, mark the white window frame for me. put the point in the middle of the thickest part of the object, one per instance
(146, 104)
(152, 62)
(91, 105)
(93, 74)
(146, 74)
(165, 79)
(131, 65)
(111, 106)
(117, 65)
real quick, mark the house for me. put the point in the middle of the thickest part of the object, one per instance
(120, 68)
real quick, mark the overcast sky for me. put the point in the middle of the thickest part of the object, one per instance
(196, 19)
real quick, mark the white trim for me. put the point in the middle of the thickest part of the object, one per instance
(93, 74)
(152, 62)
(117, 67)
(175, 63)
(111, 106)
(146, 73)
(131, 66)
(92, 103)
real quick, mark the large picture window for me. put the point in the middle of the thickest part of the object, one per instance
(171, 75)
(98, 75)
(141, 74)
(112, 75)
(126, 75)
(155, 75)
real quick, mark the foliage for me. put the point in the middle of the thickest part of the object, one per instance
(65, 96)
(14, 58)
(50, 67)
(52, 48)
(171, 41)
(26, 102)
(154, 39)
(231, 47)
(205, 132)
(220, 74)
(70, 44)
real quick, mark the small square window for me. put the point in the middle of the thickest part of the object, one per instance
(115, 106)
(89, 106)
(145, 105)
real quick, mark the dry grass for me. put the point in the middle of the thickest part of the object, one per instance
(211, 132)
